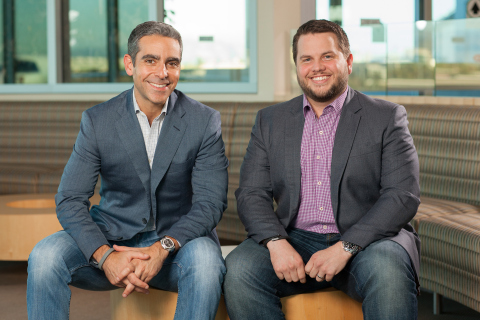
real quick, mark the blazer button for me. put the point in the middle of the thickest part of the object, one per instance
(119, 238)
(144, 221)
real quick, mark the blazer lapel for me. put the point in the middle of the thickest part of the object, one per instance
(130, 134)
(173, 129)
(294, 123)
(344, 137)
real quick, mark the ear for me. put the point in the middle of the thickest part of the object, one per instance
(350, 63)
(127, 61)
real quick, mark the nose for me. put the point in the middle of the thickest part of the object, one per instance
(318, 65)
(162, 71)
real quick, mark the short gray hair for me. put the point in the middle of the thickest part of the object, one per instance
(151, 28)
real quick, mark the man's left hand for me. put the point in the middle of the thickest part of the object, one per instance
(144, 270)
(325, 264)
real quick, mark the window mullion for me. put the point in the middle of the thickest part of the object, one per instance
(8, 40)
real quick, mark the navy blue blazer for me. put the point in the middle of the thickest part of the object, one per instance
(186, 187)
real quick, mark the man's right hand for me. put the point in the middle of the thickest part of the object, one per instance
(116, 262)
(286, 261)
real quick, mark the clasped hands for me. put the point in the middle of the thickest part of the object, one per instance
(133, 268)
(323, 265)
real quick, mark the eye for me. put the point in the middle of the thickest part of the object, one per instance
(328, 57)
(150, 61)
(173, 64)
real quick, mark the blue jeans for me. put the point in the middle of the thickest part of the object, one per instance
(381, 276)
(196, 272)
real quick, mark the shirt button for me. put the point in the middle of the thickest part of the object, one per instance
(144, 221)
(321, 132)
(319, 183)
(325, 227)
(318, 157)
(321, 208)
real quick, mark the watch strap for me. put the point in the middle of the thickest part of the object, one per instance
(274, 238)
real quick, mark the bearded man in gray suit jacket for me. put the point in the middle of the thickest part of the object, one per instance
(163, 173)
(344, 173)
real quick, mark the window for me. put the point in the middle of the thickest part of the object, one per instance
(87, 39)
(396, 54)
(24, 49)
(218, 44)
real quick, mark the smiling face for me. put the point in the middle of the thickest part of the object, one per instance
(156, 70)
(322, 70)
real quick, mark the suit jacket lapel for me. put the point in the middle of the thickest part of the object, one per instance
(344, 137)
(130, 134)
(172, 132)
(294, 123)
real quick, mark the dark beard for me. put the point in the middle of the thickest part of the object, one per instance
(336, 90)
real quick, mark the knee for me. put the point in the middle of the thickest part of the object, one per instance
(46, 259)
(388, 269)
(203, 259)
(243, 265)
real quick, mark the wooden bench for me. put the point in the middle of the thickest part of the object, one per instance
(25, 219)
(328, 304)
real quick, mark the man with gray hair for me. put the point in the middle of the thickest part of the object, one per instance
(163, 172)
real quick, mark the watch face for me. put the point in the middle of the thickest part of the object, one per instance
(168, 244)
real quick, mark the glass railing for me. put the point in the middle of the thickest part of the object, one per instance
(439, 58)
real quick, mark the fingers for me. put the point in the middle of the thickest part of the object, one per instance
(292, 274)
(133, 279)
(122, 275)
(128, 289)
(133, 253)
(280, 275)
(329, 276)
(122, 248)
(319, 278)
(301, 275)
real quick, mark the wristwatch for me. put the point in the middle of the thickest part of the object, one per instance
(351, 247)
(274, 238)
(168, 245)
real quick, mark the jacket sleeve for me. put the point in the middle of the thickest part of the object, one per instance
(76, 187)
(209, 184)
(255, 193)
(398, 186)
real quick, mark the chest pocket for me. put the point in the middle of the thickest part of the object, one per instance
(182, 166)
(360, 150)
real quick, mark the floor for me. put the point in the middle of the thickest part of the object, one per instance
(95, 305)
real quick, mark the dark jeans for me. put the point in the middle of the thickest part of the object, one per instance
(381, 276)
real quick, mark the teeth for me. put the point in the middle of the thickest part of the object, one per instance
(320, 78)
(158, 85)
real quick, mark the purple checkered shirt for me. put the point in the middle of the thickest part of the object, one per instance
(316, 213)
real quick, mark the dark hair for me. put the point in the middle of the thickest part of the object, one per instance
(322, 26)
(151, 28)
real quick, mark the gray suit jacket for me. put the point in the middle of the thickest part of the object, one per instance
(374, 175)
(186, 188)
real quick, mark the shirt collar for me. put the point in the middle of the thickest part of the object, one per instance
(337, 104)
(137, 108)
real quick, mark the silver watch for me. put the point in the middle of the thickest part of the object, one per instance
(168, 244)
(351, 247)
